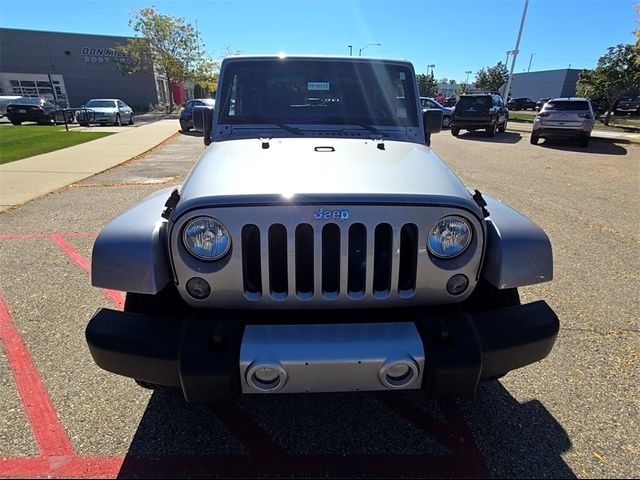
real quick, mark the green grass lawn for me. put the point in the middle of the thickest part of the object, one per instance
(22, 141)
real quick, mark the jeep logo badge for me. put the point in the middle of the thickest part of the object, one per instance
(322, 214)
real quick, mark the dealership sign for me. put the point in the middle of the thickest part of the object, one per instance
(100, 55)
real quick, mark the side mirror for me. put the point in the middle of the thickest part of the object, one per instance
(203, 121)
(432, 119)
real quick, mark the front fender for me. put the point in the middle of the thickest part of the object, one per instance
(130, 253)
(518, 251)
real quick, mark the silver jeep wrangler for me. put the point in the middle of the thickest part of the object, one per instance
(319, 245)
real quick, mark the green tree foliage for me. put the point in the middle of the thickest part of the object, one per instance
(169, 43)
(427, 85)
(617, 73)
(490, 79)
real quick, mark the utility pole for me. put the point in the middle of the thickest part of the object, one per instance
(431, 66)
(350, 50)
(516, 51)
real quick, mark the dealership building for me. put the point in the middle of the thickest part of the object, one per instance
(73, 68)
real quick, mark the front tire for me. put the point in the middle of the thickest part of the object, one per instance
(15, 122)
(455, 131)
(534, 139)
(165, 303)
(131, 120)
(184, 126)
(118, 121)
(491, 130)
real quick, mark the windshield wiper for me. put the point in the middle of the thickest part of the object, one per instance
(372, 129)
(345, 122)
(261, 119)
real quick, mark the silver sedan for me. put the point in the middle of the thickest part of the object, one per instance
(105, 111)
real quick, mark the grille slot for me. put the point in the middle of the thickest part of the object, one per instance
(331, 260)
(408, 260)
(357, 260)
(303, 261)
(278, 261)
(251, 272)
(382, 251)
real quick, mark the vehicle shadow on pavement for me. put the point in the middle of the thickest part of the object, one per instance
(390, 434)
(601, 147)
(481, 136)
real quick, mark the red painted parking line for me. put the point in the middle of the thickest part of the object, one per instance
(23, 236)
(81, 261)
(49, 433)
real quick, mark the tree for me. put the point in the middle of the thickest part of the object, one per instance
(490, 79)
(168, 44)
(616, 73)
(427, 85)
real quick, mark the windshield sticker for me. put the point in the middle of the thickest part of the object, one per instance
(402, 76)
(318, 86)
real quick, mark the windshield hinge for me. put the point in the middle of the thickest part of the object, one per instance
(171, 203)
(477, 197)
(379, 142)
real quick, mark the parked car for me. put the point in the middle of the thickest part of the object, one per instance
(449, 102)
(564, 118)
(540, 103)
(628, 105)
(521, 103)
(40, 110)
(105, 111)
(428, 102)
(479, 111)
(6, 100)
(186, 115)
(319, 247)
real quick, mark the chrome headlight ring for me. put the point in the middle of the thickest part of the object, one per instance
(206, 238)
(449, 237)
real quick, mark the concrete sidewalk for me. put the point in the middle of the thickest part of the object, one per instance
(620, 136)
(26, 179)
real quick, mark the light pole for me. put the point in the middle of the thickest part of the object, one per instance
(506, 62)
(432, 66)
(466, 82)
(360, 52)
(530, 60)
(350, 50)
(515, 51)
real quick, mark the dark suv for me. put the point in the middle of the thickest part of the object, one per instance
(521, 104)
(186, 116)
(479, 111)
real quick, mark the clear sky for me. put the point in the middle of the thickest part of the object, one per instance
(454, 35)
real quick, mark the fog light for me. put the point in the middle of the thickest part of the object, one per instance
(398, 373)
(457, 284)
(198, 288)
(266, 377)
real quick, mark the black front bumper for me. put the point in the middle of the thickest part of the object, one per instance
(200, 355)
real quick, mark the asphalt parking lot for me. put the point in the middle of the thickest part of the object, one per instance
(573, 415)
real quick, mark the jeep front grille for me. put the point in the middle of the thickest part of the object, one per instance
(328, 260)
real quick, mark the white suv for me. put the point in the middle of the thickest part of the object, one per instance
(564, 118)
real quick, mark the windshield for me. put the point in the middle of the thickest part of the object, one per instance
(567, 105)
(101, 104)
(477, 103)
(27, 101)
(318, 92)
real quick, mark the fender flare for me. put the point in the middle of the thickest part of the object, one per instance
(518, 251)
(130, 252)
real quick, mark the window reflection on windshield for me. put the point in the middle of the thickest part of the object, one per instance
(101, 104)
(318, 92)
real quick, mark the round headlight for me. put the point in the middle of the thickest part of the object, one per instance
(206, 238)
(449, 237)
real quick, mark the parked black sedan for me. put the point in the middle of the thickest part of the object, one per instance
(522, 103)
(40, 110)
(186, 116)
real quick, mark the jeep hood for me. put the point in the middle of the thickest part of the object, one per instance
(319, 169)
